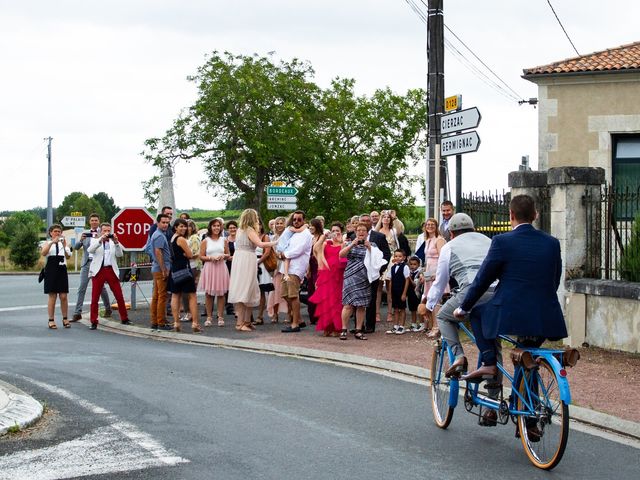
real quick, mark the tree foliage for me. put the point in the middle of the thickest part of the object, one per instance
(20, 220)
(108, 205)
(24, 247)
(80, 202)
(256, 121)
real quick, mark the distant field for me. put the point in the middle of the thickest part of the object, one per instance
(206, 215)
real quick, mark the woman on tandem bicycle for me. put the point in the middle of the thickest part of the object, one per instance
(528, 266)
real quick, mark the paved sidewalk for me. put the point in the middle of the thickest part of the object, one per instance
(17, 408)
(377, 354)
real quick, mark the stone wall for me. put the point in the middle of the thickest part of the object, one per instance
(603, 313)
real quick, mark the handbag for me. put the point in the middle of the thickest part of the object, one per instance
(270, 262)
(181, 276)
(41, 276)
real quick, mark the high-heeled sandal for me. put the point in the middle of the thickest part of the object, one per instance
(209, 322)
(260, 321)
(359, 335)
(195, 328)
(245, 328)
(66, 323)
(220, 321)
(52, 324)
(343, 334)
(176, 327)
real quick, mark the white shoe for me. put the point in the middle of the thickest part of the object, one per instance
(400, 331)
(418, 328)
(393, 330)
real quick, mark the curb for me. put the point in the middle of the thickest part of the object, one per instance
(17, 408)
(583, 415)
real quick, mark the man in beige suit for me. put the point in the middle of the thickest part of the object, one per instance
(104, 269)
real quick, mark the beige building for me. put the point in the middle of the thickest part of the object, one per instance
(589, 113)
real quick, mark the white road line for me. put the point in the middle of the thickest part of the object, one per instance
(107, 449)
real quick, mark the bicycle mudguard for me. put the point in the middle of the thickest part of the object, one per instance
(563, 383)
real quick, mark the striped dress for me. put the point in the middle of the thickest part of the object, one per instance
(356, 289)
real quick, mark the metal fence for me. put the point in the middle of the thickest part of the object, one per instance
(613, 234)
(489, 211)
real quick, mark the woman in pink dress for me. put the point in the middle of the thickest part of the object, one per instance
(214, 279)
(433, 243)
(328, 293)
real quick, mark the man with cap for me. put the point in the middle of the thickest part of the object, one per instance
(460, 259)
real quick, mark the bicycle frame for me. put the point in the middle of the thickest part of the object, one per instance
(529, 397)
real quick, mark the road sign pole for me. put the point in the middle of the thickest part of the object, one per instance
(134, 278)
(459, 183)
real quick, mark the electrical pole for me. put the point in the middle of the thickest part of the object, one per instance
(436, 173)
(49, 189)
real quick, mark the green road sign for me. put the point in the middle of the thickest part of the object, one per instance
(284, 191)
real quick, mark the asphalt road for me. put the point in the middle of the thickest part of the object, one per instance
(126, 407)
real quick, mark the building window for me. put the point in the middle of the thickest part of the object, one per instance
(626, 175)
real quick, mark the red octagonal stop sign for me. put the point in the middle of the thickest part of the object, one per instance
(132, 225)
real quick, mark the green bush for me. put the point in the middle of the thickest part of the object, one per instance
(630, 262)
(24, 248)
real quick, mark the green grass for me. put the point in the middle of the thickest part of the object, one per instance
(14, 429)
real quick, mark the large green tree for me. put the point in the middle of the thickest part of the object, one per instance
(251, 124)
(255, 121)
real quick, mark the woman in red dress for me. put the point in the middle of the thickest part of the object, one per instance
(328, 294)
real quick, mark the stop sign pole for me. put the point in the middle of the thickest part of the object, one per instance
(131, 225)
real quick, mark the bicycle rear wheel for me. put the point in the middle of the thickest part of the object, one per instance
(440, 387)
(543, 435)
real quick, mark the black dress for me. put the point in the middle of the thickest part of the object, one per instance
(56, 279)
(180, 262)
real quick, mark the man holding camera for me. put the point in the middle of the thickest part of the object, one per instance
(85, 242)
(104, 268)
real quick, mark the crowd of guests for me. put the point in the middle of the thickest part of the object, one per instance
(263, 272)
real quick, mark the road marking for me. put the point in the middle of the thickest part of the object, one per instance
(33, 307)
(117, 447)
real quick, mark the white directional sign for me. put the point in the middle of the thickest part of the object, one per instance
(281, 199)
(458, 144)
(281, 206)
(462, 120)
(74, 221)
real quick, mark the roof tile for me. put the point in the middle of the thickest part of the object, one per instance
(625, 57)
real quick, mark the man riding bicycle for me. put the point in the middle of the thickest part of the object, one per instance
(459, 258)
(528, 266)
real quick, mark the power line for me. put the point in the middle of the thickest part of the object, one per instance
(511, 94)
(480, 60)
(562, 26)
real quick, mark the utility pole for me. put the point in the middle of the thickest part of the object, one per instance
(436, 174)
(49, 189)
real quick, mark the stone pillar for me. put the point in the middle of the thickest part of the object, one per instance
(531, 183)
(569, 225)
(166, 196)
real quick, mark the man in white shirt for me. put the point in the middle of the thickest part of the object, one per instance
(298, 252)
(104, 268)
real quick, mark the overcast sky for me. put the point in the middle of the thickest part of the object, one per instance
(101, 77)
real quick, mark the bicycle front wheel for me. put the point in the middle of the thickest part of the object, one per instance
(440, 387)
(544, 433)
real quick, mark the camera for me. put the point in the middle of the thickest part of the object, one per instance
(360, 242)
(110, 235)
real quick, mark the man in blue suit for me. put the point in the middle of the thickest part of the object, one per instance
(528, 265)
